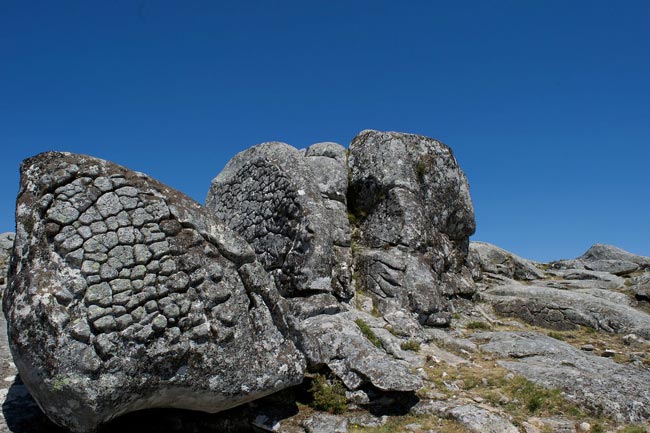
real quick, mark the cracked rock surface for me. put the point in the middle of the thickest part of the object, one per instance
(414, 214)
(125, 294)
(562, 309)
(291, 209)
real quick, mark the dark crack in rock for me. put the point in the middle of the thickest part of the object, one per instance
(124, 294)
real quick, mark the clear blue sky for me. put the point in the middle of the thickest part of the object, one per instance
(545, 103)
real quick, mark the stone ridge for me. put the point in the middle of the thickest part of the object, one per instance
(125, 294)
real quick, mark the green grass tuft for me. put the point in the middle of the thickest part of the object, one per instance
(478, 325)
(634, 429)
(367, 331)
(328, 395)
(410, 345)
(557, 335)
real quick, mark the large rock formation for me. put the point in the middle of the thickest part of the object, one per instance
(125, 294)
(606, 258)
(291, 209)
(414, 215)
(291, 206)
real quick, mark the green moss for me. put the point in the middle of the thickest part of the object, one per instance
(420, 169)
(633, 428)
(557, 335)
(410, 345)
(478, 325)
(59, 383)
(367, 331)
(328, 395)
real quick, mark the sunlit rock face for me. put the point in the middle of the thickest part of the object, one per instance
(125, 294)
(289, 204)
(414, 213)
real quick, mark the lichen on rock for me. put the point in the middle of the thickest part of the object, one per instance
(125, 294)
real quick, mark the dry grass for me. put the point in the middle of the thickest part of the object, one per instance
(399, 423)
(485, 381)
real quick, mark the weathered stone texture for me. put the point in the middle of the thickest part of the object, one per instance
(414, 215)
(499, 261)
(6, 246)
(563, 309)
(291, 209)
(125, 294)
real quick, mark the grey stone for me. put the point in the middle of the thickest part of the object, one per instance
(6, 247)
(593, 382)
(640, 286)
(270, 195)
(337, 342)
(599, 252)
(616, 267)
(479, 420)
(605, 258)
(499, 261)
(127, 362)
(413, 213)
(325, 422)
(563, 309)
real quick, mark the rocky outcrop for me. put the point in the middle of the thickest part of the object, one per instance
(413, 217)
(337, 342)
(496, 260)
(605, 258)
(562, 309)
(290, 206)
(600, 384)
(125, 294)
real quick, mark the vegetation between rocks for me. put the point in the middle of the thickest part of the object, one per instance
(328, 394)
(367, 331)
(411, 345)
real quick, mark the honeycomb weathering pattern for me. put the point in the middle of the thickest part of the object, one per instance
(269, 194)
(125, 294)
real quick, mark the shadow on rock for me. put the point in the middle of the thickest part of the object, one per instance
(392, 403)
(22, 414)
(180, 421)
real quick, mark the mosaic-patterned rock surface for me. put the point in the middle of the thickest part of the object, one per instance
(125, 294)
(291, 209)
